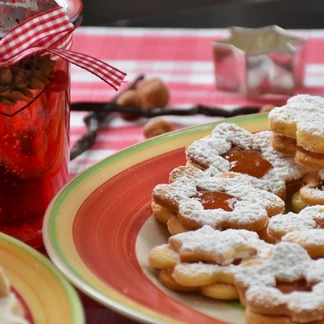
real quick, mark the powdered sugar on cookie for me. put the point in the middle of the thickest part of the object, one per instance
(222, 247)
(309, 218)
(288, 263)
(189, 195)
(304, 238)
(200, 269)
(208, 154)
(300, 109)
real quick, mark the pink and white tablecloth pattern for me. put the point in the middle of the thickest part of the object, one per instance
(182, 58)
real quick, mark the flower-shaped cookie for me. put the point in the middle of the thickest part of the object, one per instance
(298, 129)
(205, 260)
(218, 247)
(305, 228)
(229, 200)
(231, 148)
(288, 286)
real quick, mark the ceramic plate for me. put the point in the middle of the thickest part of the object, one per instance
(99, 231)
(46, 295)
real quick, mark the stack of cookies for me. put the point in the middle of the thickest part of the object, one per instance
(235, 233)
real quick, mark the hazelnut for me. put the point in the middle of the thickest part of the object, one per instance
(154, 92)
(266, 108)
(156, 127)
(130, 98)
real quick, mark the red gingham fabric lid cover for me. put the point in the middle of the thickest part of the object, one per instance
(51, 31)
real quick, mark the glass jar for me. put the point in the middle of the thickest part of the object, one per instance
(34, 135)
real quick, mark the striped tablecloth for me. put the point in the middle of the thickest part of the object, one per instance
(183, 59)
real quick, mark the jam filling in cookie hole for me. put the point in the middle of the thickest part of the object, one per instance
(213, 200)
(287, 287)
(247, 162)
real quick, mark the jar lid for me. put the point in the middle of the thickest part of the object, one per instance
(13, 12)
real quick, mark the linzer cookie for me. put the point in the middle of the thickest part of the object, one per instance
(298, 130)
(231, 148)
(287, 287)
(205, 260)
(311, 240)
(229, 200)
(305, 228)
(309, 218)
